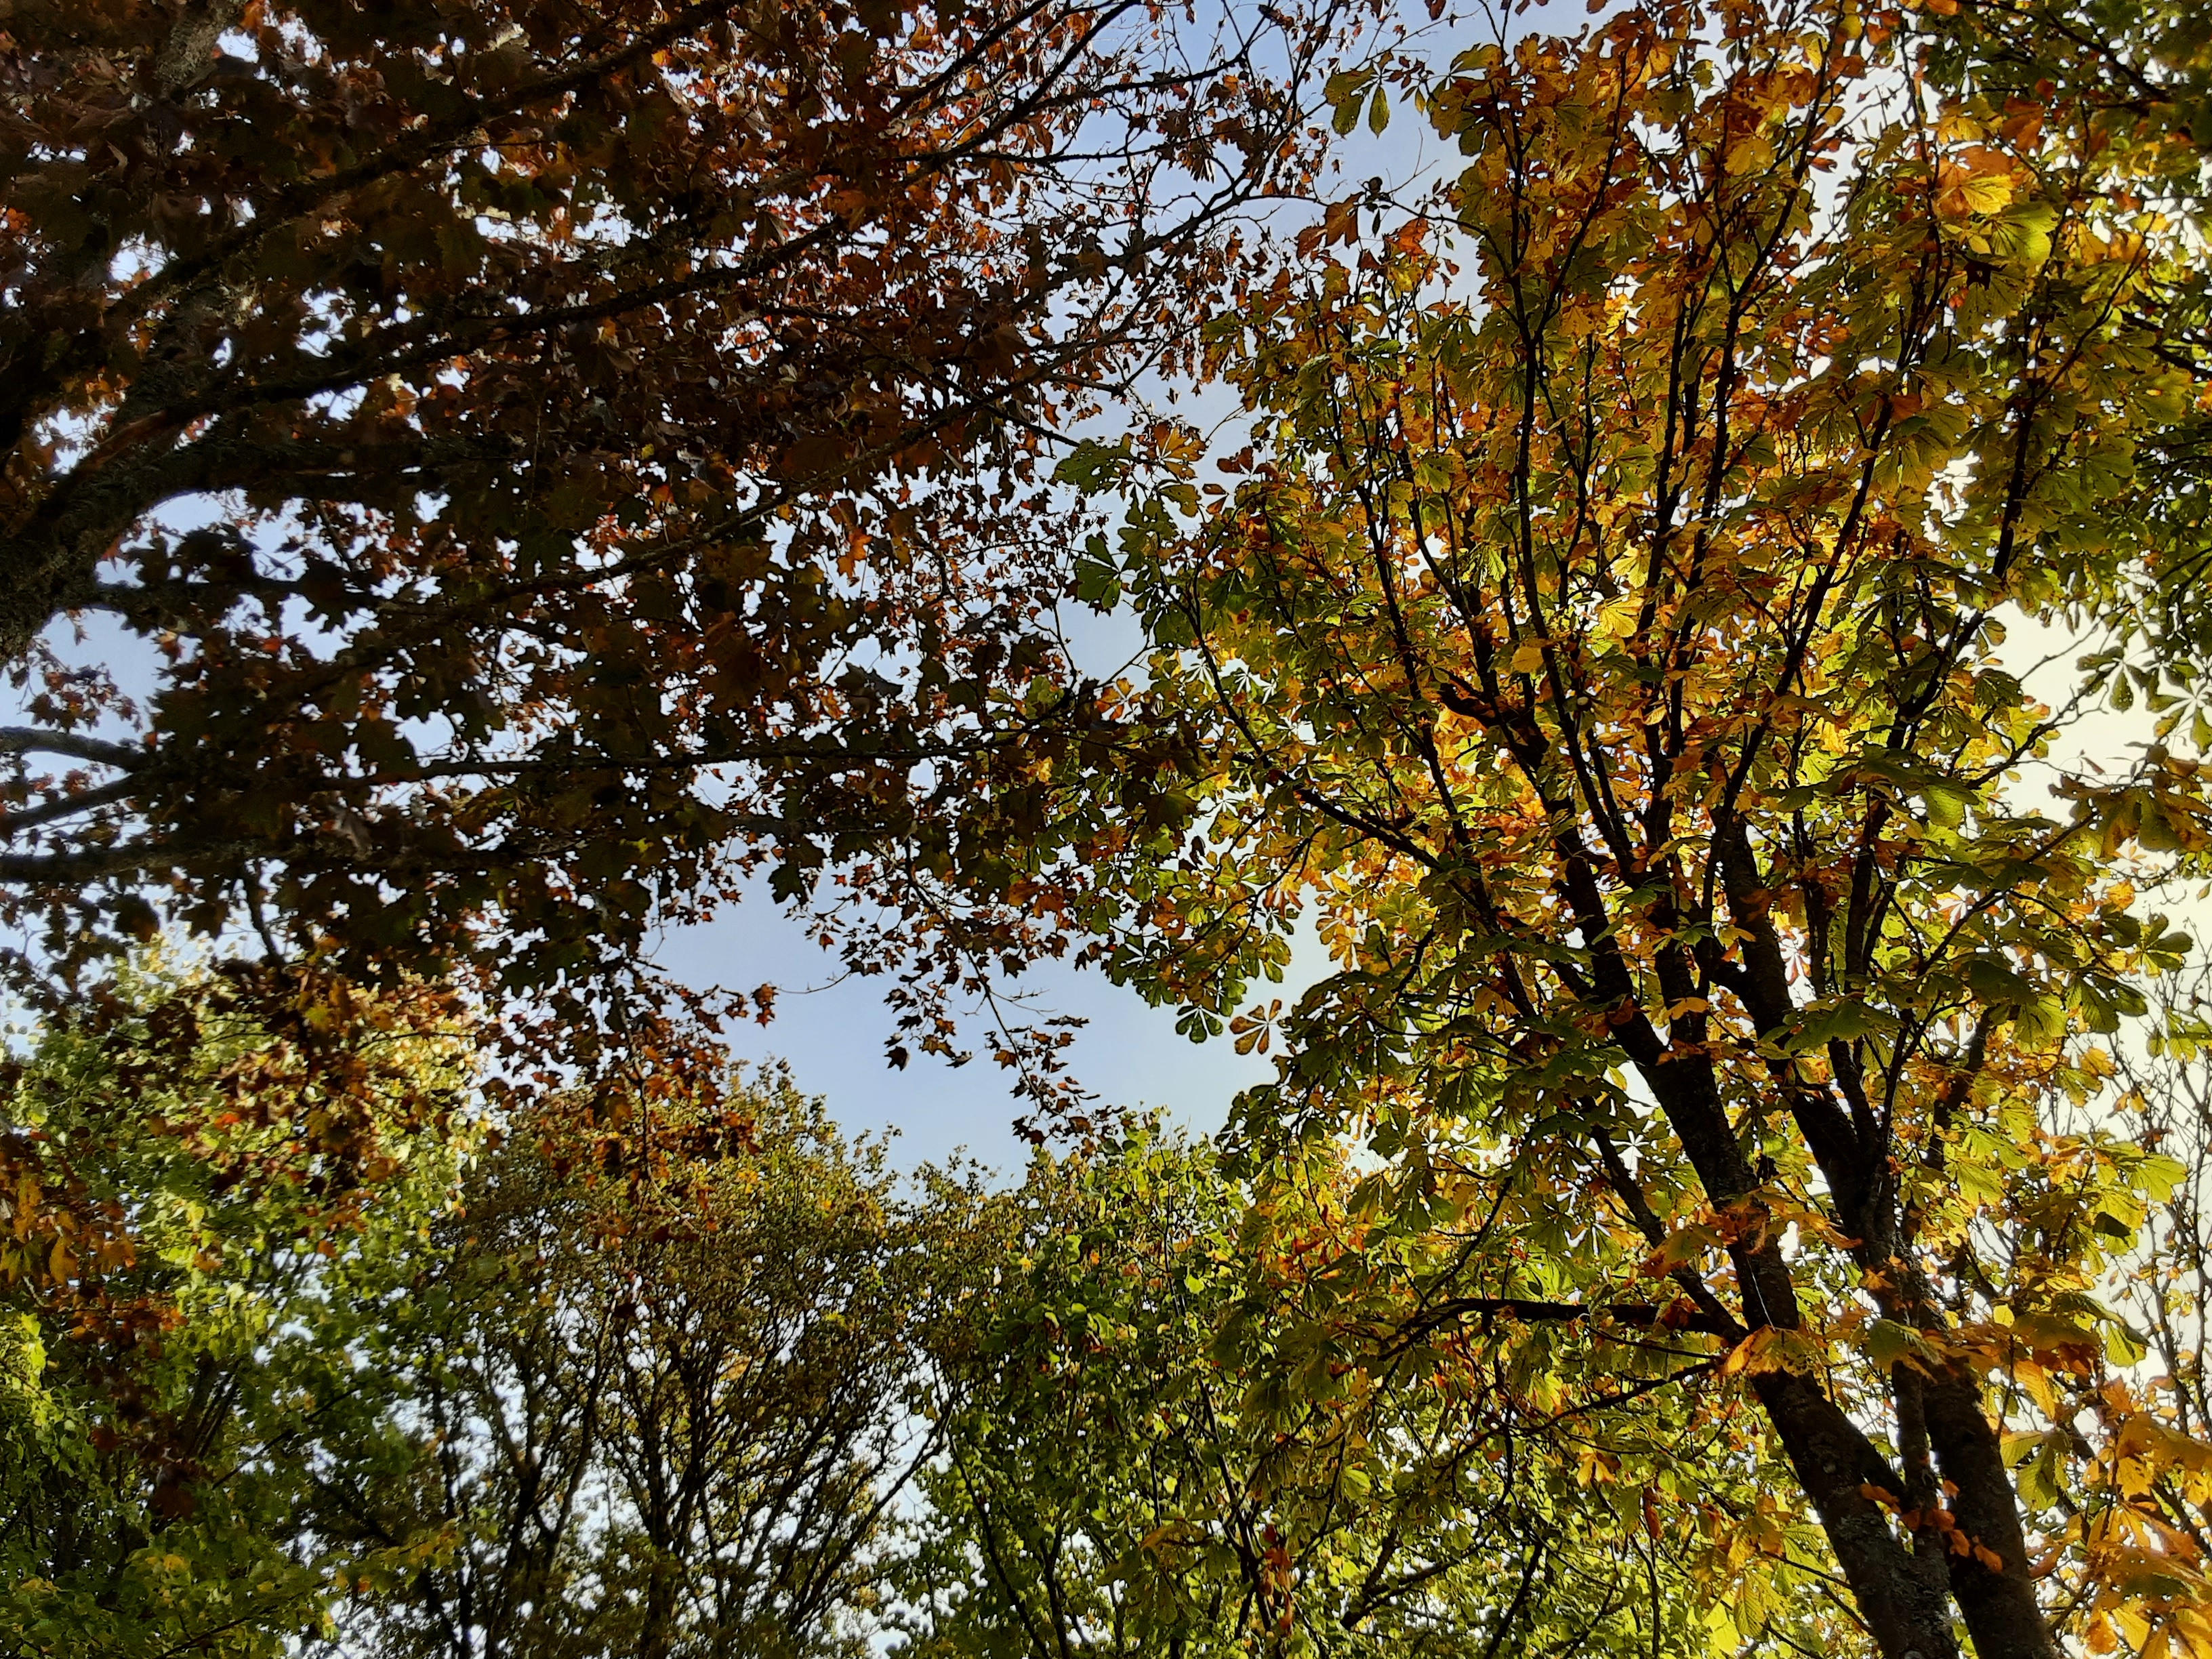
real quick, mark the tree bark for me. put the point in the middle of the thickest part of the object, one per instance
(1904, 1596)
(1999, 1603)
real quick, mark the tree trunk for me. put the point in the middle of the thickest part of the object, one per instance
(1999, 1603)
(1904, 1596)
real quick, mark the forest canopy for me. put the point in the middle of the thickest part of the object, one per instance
(1734, 1182)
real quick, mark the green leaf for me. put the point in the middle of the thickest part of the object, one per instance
(1889, 1343)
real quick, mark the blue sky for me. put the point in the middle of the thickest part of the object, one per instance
(833, 1035)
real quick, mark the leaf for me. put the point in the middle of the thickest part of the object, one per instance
(1092, 466)
(1889, 1344)
(1342, 94)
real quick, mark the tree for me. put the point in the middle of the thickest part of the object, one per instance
(178, 1328)
(2142, 75)
(662, 1376)
(1152, 1447)
(634, 1382)
(556, 459)
(1603, 638)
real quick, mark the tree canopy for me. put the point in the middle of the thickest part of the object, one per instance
(1601, 630)
(529, 467)
(710, 1380)
(1739, 1182)
(196, 1269)
(1152, 1444)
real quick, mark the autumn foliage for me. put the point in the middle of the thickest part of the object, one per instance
(521, 476)
(1601, 635)
(530, 468)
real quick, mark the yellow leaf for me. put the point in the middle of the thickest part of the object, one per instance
(1770, 1350)
(2036, 1382)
